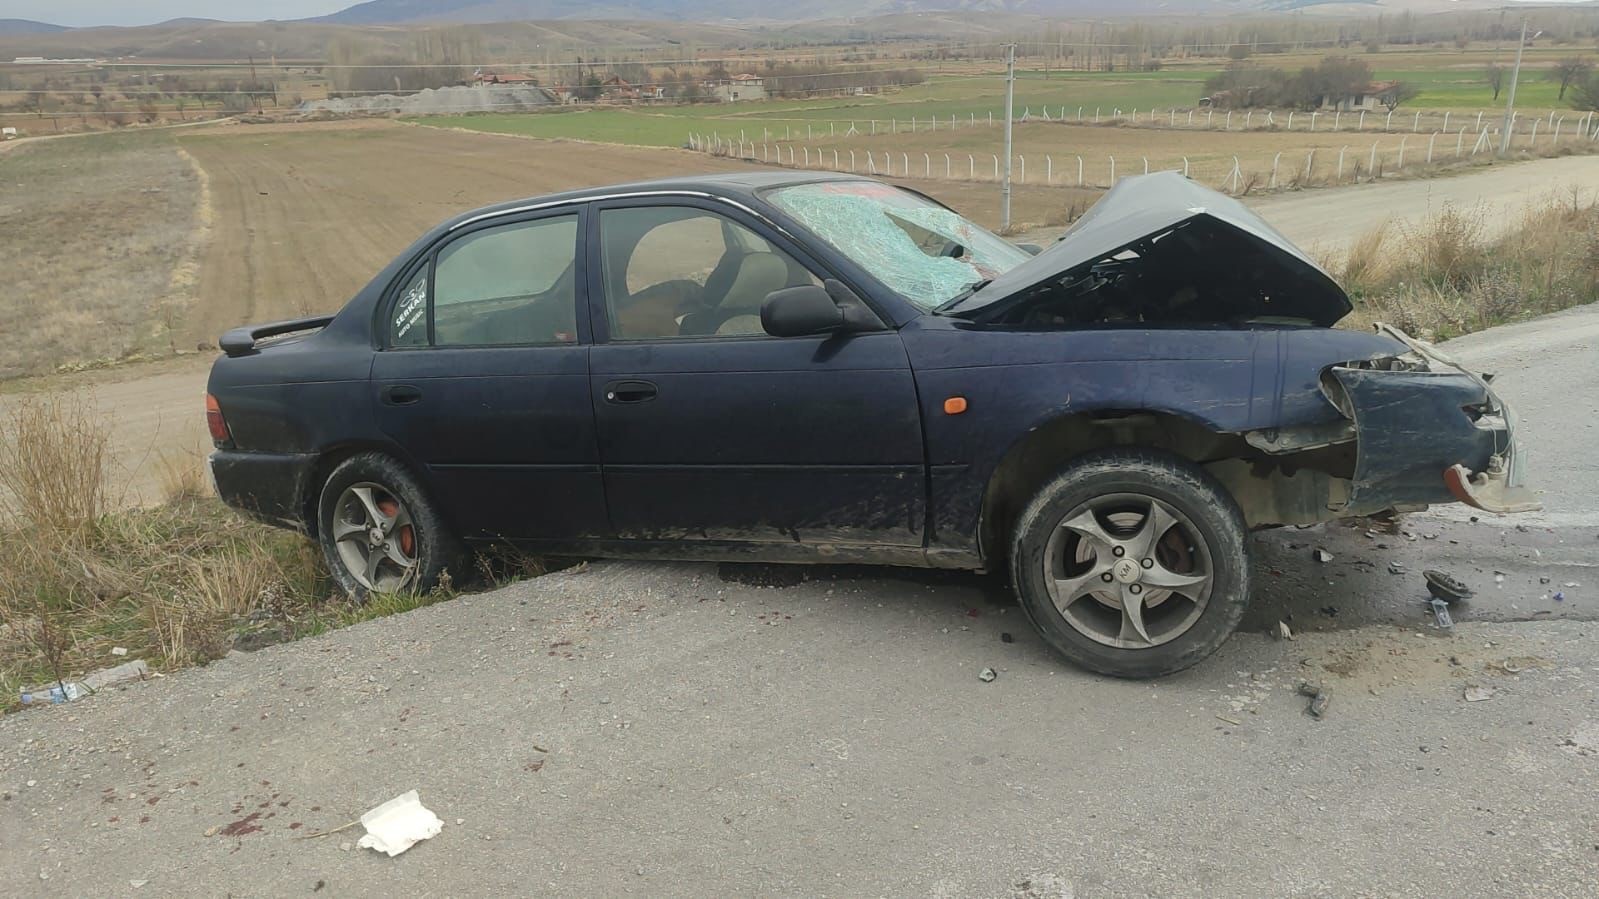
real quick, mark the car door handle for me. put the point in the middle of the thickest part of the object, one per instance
(621, 392)
(401, 395)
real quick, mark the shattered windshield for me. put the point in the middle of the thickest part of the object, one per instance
(921, 250)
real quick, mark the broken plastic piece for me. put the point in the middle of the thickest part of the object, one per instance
(399, 824)
(1440, 611)
(1489, 490)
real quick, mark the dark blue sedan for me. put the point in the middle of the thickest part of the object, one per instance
(799, 367)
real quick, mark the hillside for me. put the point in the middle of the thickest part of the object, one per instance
(400, 12)
(27, 26)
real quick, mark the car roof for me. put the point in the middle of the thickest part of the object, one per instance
(734, 185)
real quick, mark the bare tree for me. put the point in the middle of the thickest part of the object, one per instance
(1569, 71)
(1401, 92)
(1495, 76)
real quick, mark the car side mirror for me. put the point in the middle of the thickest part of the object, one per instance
(800, 312)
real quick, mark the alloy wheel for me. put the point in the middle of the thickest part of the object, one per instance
(375, 537)
(1128, 570)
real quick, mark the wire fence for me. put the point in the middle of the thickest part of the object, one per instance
(1198, 118)
(1238, 175)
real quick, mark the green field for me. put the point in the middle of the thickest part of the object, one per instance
(1453, 87)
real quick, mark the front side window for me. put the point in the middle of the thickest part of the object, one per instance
(919, 249)
(675, 271)
(511, 284)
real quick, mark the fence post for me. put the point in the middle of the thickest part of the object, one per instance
(1416, 128)
(996, 165)
(1079, 171)
(1248, 117)
(1429, 146)
(1362, 125)
(905, 165)
(1146, 165)
(1185, 166)
(1313, 120)
(1236, 173)
(808, 131)
(1555, 138)
(1096, 115)
(1338, 114)
(1021, 172)
(1079, 113)
(835, 160)
(1190, 118)
(1290, 120)
(1049, 170)
(1229, 125)
(1401, 166)
(1113, 171)
(1310, 160)
(927, 164)
(971, 167)
(807, 157)
(946, 167)
(913, 124)
(893, 126)
(990, 119)
(1533, 140)
(1274, 160)
(1446, 122)
(852, 161)
(1340, 176)
(1173, 118)
(1388, 123)
(1371, 167)
(1460, 143)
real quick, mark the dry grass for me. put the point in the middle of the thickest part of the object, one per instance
(1444, 278)
(95, 229)
(170, 584)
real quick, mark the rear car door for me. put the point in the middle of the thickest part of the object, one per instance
(712, 430)
(483, 379)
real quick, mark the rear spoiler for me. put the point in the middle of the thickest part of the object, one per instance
(241, 341)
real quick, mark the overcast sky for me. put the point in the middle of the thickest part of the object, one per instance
(145, 12)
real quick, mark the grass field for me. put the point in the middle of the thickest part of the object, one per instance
(1448, 81)
(96, 234)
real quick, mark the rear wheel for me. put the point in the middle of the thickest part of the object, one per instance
(1132, 563)
(379, 531)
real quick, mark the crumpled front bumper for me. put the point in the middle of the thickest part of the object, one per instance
(1428, 432)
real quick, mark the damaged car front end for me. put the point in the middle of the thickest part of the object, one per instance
(1427, 431)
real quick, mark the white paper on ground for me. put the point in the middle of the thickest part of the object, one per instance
(399, 824)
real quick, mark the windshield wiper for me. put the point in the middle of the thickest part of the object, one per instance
(963, 296)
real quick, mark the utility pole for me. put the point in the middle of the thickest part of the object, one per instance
(1010, 115)
(1510, 101)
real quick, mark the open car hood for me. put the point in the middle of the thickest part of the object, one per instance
(1250, 270)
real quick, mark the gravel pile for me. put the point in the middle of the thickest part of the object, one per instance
(441, 101)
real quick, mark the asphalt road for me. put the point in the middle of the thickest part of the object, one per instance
(673, 729)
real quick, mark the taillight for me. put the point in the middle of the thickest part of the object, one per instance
(215, 422)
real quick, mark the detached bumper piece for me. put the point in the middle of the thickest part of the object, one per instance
(1489, 490)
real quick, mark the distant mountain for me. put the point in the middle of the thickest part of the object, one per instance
(26, 26)
(401, 12)
(479, 12)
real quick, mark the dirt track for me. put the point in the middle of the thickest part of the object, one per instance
(305, 214)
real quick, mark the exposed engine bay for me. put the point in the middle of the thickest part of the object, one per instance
(1201, 271)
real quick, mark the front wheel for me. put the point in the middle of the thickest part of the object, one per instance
(1132, 563)
(379, 531)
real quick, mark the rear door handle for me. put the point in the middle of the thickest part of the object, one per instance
(623, 392)
(401, 395)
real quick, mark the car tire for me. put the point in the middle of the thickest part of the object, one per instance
(402, 532)
(1159, 530)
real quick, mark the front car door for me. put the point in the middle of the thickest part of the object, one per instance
(712, 430)
(483, 379)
